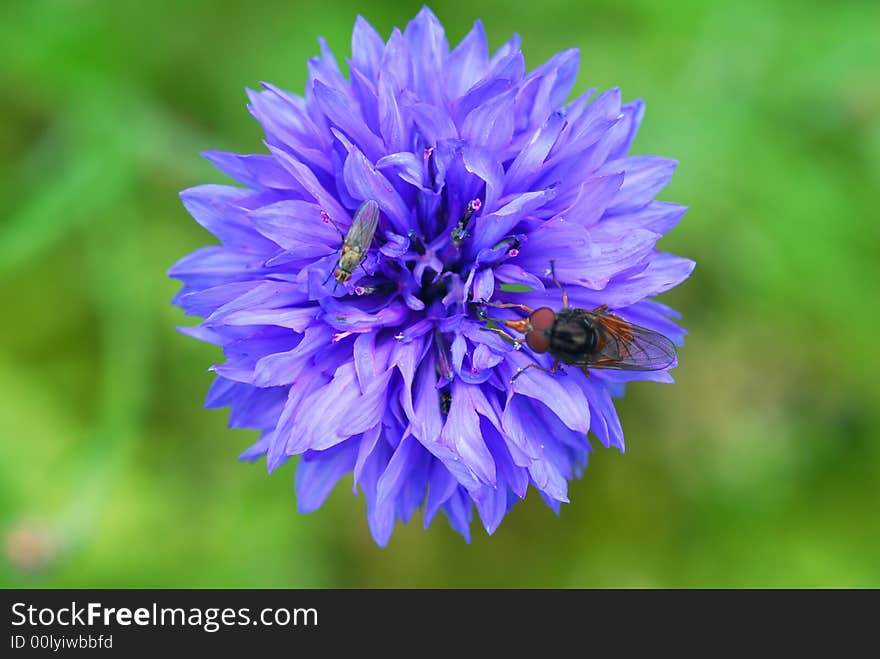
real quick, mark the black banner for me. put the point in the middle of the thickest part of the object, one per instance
(125, 621)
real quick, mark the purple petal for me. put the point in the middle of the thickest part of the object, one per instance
(462, 431)
(391, 122)
(441, 486)
(366, 96)
(567, 402)
(408, 453)
(644, 177)
(434, 124)
(526, 167)
(493, 227)
(664, 271)
(364, 181)
(593, 197)
(255, 171)
(219, 208)
(513, 274)
(258, 450)
(212, 266)
(460, 512)
(482, 163)
(427, 42)
(287, 124)
(565, 66)
(468, 62)
(319, 471)
(297, 226)
(345, 115)
(366, 47)
(397, 60)
(205, 302)
(336, 411)
(348, 318)
(484, 285)
(296, 319)
(588, 258)
(406, 165)
(657, 216)
(379, 516)
(633, 113)
(491, 505)
(310, 183)
(266, 295)
(490, 125)
(605, 423)
(284, 368)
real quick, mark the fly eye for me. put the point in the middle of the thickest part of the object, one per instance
(542, 319)
(538, 341)
(342, 276)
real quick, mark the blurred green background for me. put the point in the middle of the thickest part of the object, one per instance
(758, 468)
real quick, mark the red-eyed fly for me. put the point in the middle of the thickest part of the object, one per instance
(357, 241)
(588, 339)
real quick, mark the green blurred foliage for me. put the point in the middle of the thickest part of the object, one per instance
(758, 468)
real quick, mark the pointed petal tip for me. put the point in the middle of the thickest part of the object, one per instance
(250, 455)
(274, 461)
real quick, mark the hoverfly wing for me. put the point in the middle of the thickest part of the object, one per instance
(363, 227)
(627, 347)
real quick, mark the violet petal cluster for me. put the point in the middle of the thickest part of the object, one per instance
(483, 173)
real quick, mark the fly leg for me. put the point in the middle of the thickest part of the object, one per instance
(523, 369)
(509, 305)
(504, 334)
(556, 281)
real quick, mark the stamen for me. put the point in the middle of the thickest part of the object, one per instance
(443, 364)
(416, 242)
(513, 252)
(459, 233)
(339, 336)
(432, 168)
(325, 216)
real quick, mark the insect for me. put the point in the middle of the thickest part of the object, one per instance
(356, 242)
(445, 402)
(588, 339)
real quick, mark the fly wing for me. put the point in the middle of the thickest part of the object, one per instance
(627, 347)
(363, 227)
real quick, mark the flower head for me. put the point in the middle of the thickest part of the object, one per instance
(482, 174)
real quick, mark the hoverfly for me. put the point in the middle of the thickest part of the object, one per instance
(356, 242)
(588, 339)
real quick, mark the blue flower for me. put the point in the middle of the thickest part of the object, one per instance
(482, 173)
